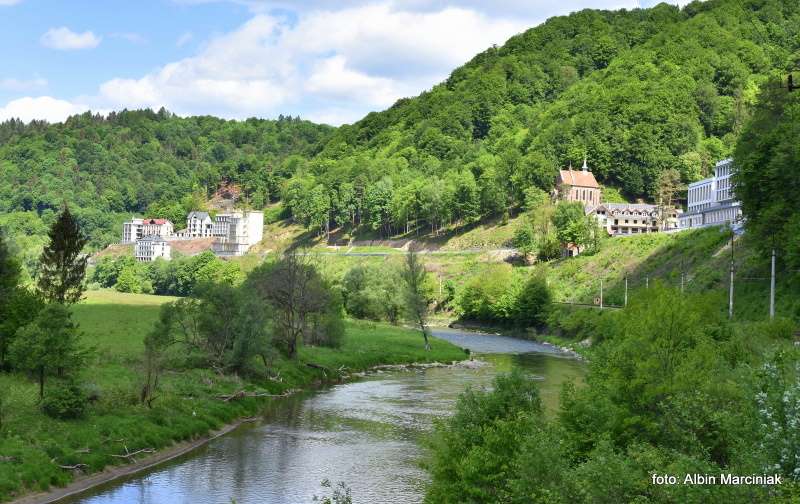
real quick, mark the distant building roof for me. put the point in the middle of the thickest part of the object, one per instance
(578, 178)
(157, 221)
(198, 215)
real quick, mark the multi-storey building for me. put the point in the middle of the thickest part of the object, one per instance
(132, 230)
(199, 225)
(236, 232)
(634, 218)
(151, 247)
(711, 202)
(136, 229)
(575, 185)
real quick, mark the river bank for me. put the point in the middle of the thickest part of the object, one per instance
(39, 451)
(109, 475)
(370, 433)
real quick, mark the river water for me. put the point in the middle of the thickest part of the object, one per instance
(368, 433)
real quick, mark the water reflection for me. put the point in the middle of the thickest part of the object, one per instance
(366, 433)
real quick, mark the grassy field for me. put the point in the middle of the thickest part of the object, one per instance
(33, 445)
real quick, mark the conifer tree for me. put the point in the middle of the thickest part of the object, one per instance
(9, 270)
(62, 263)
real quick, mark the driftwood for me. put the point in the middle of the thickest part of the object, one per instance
(316, 366)
(242, 394)
(130, 456)
(76, 467)
(83, 450)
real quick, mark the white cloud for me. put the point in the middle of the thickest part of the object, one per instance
(22, 85)
(9, 2)
(330, 62)
(184, 39)
(42, 107)
(65, 39)
(322, 64)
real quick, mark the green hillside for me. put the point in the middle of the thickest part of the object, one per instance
(108, 168)
(636, 92)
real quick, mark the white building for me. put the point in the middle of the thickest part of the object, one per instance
(711, 201)
(199, 225)
(132, 230)
(236, 232)
(633, 218)
(136, 229)
(151, 247)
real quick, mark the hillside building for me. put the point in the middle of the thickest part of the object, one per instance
(136, 229)
(711, 202)
(236, 232)
(633, 218)
(151, 247)
(199, 225)
(578, 185)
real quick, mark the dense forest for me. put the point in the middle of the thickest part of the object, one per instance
(635, 92)
(108, 168)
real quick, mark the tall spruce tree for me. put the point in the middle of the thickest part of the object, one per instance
(62, 263)
(10, 270)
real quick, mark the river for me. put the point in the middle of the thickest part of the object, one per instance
(367, 433)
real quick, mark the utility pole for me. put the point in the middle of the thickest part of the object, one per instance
(601, 293)
(647, 282)
(772, 288)
(730, 287)
(626, 290)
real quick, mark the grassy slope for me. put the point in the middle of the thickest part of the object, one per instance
(115, 324)
(702, 255)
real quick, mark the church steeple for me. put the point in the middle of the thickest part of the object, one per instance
(585, 168)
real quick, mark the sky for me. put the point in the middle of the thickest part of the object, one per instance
(323, 60)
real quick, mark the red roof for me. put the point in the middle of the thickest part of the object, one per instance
(156, 221)
(578, 178)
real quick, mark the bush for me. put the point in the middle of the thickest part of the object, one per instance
(533, 302)
(65, 401)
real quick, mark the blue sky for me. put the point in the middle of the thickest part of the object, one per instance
(328, 61)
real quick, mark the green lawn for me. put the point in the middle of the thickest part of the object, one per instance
(115, 324)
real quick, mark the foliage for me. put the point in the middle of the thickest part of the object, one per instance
(186, 405)
(417, 294)
(498, 296)
(374, 291)
(767, 152)
(341, 494)
(145, 162)
(178, 277)
(533, 302)
(778, 402)
(303, 302)
(62, 266)
(472, 449)
(65, 401)
(673, 388)
(48, 345)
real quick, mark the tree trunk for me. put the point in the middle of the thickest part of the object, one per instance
(41, 383)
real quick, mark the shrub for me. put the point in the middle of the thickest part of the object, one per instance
(65, 401)
(533, 302)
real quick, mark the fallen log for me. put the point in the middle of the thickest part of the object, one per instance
(76, 467)
(242, 394)
(131, 455)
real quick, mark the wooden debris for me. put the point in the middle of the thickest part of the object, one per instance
(131, 455)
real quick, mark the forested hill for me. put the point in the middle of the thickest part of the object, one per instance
(636, 92)
(107, 168)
